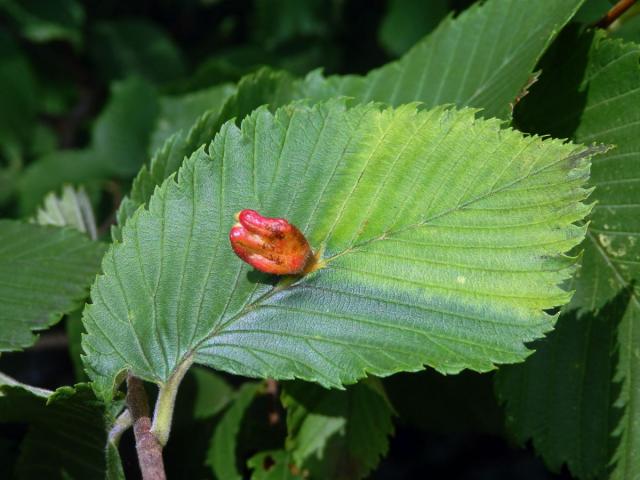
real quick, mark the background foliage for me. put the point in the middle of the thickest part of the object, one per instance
(100, 105)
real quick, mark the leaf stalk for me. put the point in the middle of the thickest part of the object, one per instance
(163, 413)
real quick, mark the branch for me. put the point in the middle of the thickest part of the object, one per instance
(616, 11)
(147, 445)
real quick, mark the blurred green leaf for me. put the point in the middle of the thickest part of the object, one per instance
(222, 456)
(179, 112)
(137, 46)
(119, 145)
(44, 273)
(338, 434)
(44, 21)
(122, 132)
(274, 465)
(407, 21)
(18, 97)
(280, 21)
(52, 171)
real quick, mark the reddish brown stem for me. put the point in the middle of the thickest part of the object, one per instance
(614, 13)
(147, 445)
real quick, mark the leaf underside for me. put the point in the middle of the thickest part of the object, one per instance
(441, 238)
(44, 273)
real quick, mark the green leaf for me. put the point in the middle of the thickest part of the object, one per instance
(44, 273)
(407, 21)
(72, 208)
(67, 433)
(482, 58)
(274, 465)
(339, 434)
(46, 21)
(591, 90)
(371, 189)
(135, 47)
(222, 451)
(562, 396)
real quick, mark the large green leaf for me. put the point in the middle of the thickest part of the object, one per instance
(591, 91)
(339, 434)
(67, 433)
(483, 58)
(416, 268)
(44, 273)
(494, 74)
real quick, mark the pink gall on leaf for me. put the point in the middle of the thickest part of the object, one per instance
(271, 245)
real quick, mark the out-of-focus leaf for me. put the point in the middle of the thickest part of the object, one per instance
(178, 113)
(44, 273)
(407, 21)
(135, 47)
(67, 433)
(72, 208)
(43, 21)
(338, 434)
(274, 465)
(119, 145)
(18, 96)
(123, 130)
(222, 452)
(280, 21)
